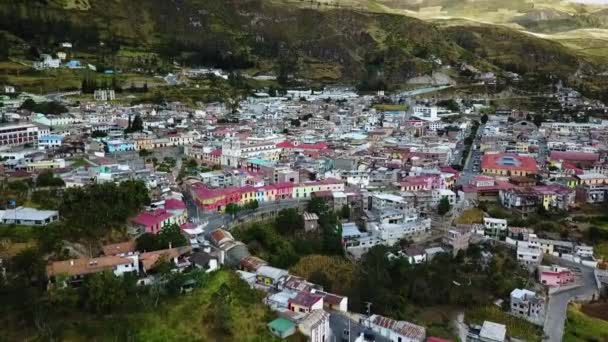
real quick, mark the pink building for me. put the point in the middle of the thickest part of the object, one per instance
(555, 275)
(152, 221)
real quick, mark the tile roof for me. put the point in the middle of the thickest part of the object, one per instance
(289, 144)
(402, 328)
(149, 259)
(83, 266)
(119, 248)
(305, 299)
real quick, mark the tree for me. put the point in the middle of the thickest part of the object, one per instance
(47, 178)
(538, 119)
(147, 242)
(232, 209)
(28, 263)
(98, 134)
(444, 206)
(137, 125)
(103, 292)
(252, 205)
(484, 119)
(171, 236)
(345, 211)
(318, 206)
(289, 221)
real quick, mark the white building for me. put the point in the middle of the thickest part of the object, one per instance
(528, 305)
(55, 120)
(494, 227)
(28, 216)
(18, 134)
(426, 113)
(104, 95)
(584, 251)
(528, 255)
(316, 326)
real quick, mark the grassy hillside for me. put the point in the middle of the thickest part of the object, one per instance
(310, 40)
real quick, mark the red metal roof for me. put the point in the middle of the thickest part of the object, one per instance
(151, 218)
(574, 156)
(498, 161)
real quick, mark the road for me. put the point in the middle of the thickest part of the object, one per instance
(339, 324)
(468, 169)
(216, 219)
(558, 303)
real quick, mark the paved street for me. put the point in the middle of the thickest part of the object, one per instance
(216, 220)
(558, 303)
(469, 169)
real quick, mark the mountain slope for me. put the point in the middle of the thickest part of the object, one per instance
(264, 34)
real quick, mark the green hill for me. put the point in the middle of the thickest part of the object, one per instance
(309, 40)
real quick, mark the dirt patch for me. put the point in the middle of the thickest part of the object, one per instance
(596, 310)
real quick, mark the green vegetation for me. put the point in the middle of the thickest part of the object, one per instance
(580, 327)
(444, 206)
(375, 50)
(44, 107)
(390, 107)
(169, 237)
(283, 242)
(516, 327)
(47, 178)
(108, 308)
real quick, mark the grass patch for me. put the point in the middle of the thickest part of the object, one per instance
(390, 107)
(516, 327)
(601, 250)
(471, 216)
(580, 327)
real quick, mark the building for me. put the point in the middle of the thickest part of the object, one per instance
(426, 113)
(503, 164)
(104, 95)
(400, 331)
(282, 327)
(555, 275)
(305, 302)
(528, 305)
(270, 276)
(489, 332)
(50, 141)
(316, 326)
(152, 221)
(495, 228)
(74, 271)
(18, 134)
(119, 145)
(28, 216)
(311, 221)
(457, 239)
(529, 255)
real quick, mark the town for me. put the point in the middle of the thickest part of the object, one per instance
(346, 214)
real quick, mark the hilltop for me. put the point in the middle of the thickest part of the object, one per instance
(316, 42)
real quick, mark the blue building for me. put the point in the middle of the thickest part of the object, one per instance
(119, 145)
(50, 141)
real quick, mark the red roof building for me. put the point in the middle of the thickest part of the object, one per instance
(152, 221)
(506, 164)
(576, 158)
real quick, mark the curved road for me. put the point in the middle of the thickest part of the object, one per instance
(558, 303)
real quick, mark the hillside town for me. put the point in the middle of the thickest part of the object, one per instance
(418, 178)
